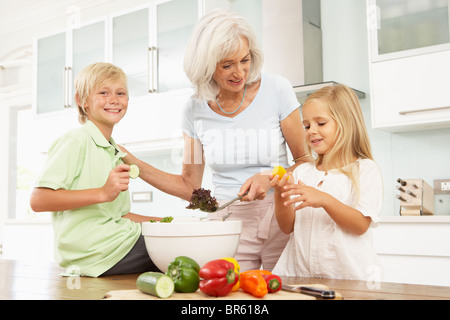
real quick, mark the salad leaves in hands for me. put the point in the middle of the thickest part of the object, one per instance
(202, 199)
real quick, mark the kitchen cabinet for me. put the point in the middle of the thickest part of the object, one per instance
(59, 57)
(409, 52)
(407, 27)
(414, 249)
(51, 72)
(148, 43)
(130, 43)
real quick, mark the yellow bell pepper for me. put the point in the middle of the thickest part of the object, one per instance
(237, 270)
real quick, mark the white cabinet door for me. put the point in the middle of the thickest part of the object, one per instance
(130, 43)
(403, 28)
(59, 59)
(175, 22)
(409, 63)
(88, 46)
(51, 74)
(411, 92)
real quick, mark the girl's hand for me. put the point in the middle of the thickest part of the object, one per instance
(117, 182)
(278, 183)
(306, 196)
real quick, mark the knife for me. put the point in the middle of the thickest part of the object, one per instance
(315, 292)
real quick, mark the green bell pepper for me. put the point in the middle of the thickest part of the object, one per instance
(184, 273)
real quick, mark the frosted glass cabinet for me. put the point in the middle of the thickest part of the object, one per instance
(51, 75)
(59, 59)
(148, 43)
(406, 27)
(410, 63)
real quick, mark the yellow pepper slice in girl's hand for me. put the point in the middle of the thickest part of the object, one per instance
(279, 171)
(237, 270)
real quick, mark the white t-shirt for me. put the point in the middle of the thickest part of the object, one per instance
(318, 247)
(251, 142)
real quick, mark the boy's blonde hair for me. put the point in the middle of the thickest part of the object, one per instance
(92, 77)
(352, 139)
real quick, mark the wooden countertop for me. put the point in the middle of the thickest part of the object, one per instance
(27, 281)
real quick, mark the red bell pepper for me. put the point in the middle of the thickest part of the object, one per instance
(218, 278)
(273, 282)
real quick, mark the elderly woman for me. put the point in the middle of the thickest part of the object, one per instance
(238, 122)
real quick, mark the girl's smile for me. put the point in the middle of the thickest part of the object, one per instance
(320, 128)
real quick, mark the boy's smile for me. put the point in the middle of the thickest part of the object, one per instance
(106, 106)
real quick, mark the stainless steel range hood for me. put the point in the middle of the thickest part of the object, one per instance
(302, 92)
(292, 44)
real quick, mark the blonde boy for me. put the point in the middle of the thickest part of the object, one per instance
(85, 183)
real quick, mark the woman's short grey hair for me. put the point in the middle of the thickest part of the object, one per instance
(217, 36)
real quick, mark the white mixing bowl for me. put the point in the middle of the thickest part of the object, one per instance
(202, 241)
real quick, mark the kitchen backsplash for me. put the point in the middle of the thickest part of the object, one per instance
(423, 154)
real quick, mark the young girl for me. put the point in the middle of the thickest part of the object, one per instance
(329, 205)
(85, 184)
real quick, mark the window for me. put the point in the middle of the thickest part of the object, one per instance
(26, 161)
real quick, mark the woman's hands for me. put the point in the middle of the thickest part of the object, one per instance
(257, 186)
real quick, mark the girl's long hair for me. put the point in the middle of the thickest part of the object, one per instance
(352, 139)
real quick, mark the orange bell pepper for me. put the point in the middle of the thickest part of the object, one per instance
(237, 270)
(253, 282)
(260, 271)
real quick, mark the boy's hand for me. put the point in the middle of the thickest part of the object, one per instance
(117, 182)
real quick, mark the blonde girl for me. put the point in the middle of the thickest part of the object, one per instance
(329, 205)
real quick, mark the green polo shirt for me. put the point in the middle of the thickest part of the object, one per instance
(92, 238)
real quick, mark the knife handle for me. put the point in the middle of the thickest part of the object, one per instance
(324, 294)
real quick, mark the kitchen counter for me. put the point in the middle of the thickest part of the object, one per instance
(28, 281)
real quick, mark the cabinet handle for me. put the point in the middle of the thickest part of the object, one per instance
(422, 110)
(65, 87)
(152, 69)
(66, 84)
(69, 86)
(155, 69)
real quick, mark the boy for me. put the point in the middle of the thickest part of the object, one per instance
(85, 184)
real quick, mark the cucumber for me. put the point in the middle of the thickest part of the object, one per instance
(134, 171)
(155, 283)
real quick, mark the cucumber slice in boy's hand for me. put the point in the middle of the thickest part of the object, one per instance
(134, 171)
